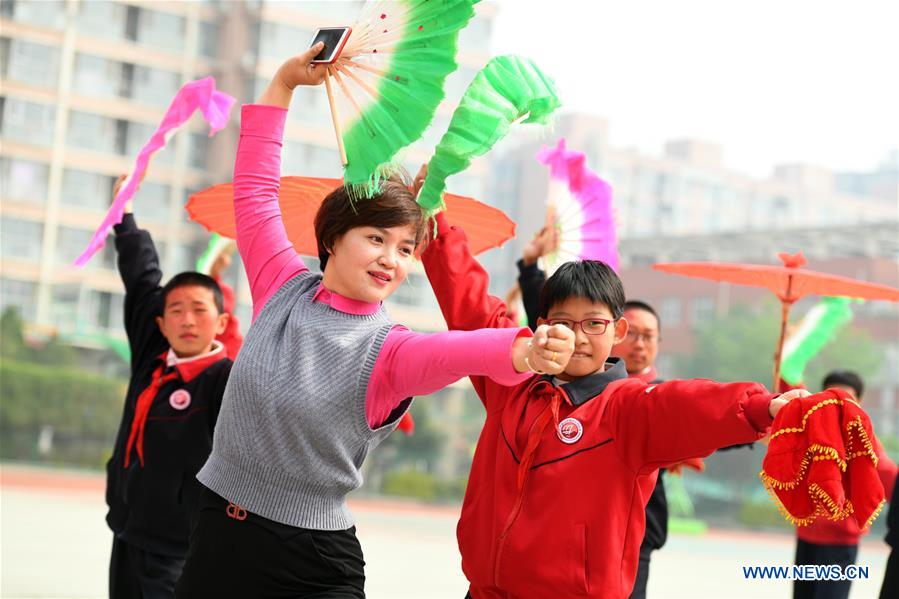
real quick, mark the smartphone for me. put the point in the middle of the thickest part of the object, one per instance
(335, 39)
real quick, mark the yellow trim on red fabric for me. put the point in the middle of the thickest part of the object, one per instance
(806, 416)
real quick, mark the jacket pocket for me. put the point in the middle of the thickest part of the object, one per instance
(579, 558)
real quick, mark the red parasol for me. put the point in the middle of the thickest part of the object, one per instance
(300, 197)
(789, 283)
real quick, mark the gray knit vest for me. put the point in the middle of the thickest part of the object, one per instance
(292, 433)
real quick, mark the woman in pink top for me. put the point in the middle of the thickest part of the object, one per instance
(258, 536)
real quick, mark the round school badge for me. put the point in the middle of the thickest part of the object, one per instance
(570, 430)
(180, 399)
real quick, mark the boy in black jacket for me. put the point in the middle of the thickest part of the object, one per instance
(178, 376)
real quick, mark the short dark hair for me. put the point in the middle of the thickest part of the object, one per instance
(392, 206)
(638, 305)
(588, 279)
(844, 377)
(195, 279)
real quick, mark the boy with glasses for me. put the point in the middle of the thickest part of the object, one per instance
(565, 464)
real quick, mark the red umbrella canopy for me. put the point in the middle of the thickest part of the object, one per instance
(300, 197)
(789, 282)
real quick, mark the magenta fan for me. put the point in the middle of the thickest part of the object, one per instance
(580, 208)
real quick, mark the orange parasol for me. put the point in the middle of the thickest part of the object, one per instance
(300, 197)
(789, 283)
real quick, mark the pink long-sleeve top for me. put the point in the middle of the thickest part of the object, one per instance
(409, 363)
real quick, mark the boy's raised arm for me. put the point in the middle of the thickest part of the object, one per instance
(658, 425)
(138, 264)
(460, 282)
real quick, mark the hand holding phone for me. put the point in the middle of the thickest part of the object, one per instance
(335, 39)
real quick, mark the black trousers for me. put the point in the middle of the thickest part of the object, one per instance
(821, 555)
(138, 574)
(249, 556)
(640, 583)
(890, 588)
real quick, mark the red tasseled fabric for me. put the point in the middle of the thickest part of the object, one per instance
(821, 462)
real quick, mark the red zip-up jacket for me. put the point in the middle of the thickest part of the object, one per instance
(574, 529)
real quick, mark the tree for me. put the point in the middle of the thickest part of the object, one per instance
(12, 334)
(740, 347)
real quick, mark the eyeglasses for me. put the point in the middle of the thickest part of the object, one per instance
(590, 326)
(647, 338)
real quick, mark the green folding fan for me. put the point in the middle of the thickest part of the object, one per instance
(507, 89)
(388, 81)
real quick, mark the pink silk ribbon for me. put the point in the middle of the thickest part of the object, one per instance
(200, 94)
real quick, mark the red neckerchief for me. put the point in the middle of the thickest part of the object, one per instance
(541, 390)
(187, 371)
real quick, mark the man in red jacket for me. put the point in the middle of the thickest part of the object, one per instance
(564, 465)
(825, 542)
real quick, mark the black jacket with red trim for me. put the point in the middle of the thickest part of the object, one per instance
(150, 505)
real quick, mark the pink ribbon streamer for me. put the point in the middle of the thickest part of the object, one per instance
(197, 95)
(594, 196)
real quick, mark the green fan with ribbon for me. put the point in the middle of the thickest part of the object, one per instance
(214, 249)
(507, 89)
(385, 86)
(818, 328)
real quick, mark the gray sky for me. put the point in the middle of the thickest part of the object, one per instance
(772, 81)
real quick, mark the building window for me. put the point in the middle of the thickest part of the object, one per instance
(209, 39)
(103, 310)
(23, 180)
(29, 62)
(21, 238)
(670, 312)
(96, 76)
(126, 81)
(121, 137)
(198, 150)
(151, 202)
(154, 86)
(312, 160)
(91, 132)
(159, 30)
(277, 41)
(312, 103)
(70, 243)
(48, 13)
(27, 122)
(702, 310)
(18, 294)
(103, 18)
(132, 18)
(64, 313)
(87, 190)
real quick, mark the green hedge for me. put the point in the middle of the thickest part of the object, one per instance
(422, 486)
(83, 411)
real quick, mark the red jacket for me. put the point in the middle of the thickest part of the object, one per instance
(575, 528)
